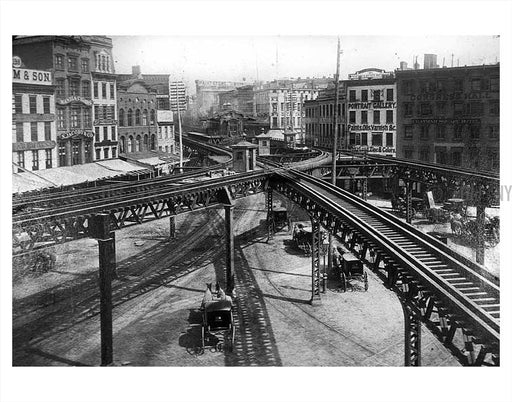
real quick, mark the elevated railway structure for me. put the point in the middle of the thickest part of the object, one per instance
(457, 299)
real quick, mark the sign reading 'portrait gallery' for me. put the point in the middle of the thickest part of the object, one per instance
(24, 76)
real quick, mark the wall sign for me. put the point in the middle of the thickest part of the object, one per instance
(445, 121)
(76, 134)
(372, 105)
(24, 76)
(450, 96)
(74, 99)
(26, 146)
(371, 127)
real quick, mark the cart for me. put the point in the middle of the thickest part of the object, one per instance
(352, 269)
(218, 328)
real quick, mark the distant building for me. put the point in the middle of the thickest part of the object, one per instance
(450, 116)
(166, 138)
(34, 135)
(207, 95)
(430, 61)
(371, 74)
(157, 82)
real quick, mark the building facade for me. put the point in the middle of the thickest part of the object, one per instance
(178, 96)
(207, 95)
(450, 116)
(371, 115)
(34, 135)
(104, 99)
(166, 138)
(137, 107)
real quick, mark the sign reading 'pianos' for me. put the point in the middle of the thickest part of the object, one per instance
(24, 76)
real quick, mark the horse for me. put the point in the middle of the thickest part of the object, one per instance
(456, 224)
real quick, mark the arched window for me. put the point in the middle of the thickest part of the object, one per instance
(146, 142)
(130, 143)
(122, 144)
(121, 117)
(145, 117)
(152, 117)
(153, 142)
(130, 117)
(137, 117)
(137, 144)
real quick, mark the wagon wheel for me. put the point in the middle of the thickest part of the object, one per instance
(343, 282)
(365, 278)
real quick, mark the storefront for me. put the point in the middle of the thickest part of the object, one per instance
(75, 147)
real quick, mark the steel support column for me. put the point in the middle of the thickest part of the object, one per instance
(230, 249)
(364, 190)
(172, 227)
(100, 229)
(315, 261)
(408, 201)
(480, 234)
(412, 320)
(270, 215)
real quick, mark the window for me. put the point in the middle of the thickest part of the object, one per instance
(146, 142)
(408, 132)
(364, 117)
(458, 108)
(137, 117)
(104, 90)
(75, 153)
(364, 139)
(35, 160)
(352, 116)
(98, 154)
(21, 159)
(389, 95)
(408, 87)
(494, 132)
(440, 155)
(364, 95)
(85, 65)
(97, 134)
(48, 158)
(389, 117)
(105, 153)
(46, 105)
(114, 152)
(112, 92)
(62, 154)
(458, 85)
(105, 133)
(424, 128)
(110, 112)
(424, 154)
(60, 87)
(75, 118)
(476, 84)
(72, 63)
(86, 89)
(153, 142)
(475, 131)
(352, 96)
(389, 139)
(32, 101)
(74, 87)
(113, 130)
(47, 131)
(145, 117)
(59, 62)
(426, 109)
(121, 118)
(152, 117)
(441, 107)
(408, 109)
(19, 132)
(377, 139)
(61, 121)
(494, 84)
(494, 108)
(352, 139)
(18, 103)
(457, 157)
(104, 112)
(376, 117)
(494, 159)
(476, 108)
(457, 131)
(440, 132)
(96, 89)
(33, 132)
(130, 118)
(87, 117)
(137, 143)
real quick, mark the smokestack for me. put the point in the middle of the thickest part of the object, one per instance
(136, 71)
(403, 65)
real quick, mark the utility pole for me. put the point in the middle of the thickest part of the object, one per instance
(181, 138)
(336, 95)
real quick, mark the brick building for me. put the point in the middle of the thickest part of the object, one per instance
(450, 116)
(34, 135)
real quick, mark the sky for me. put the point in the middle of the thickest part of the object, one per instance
(235, 58)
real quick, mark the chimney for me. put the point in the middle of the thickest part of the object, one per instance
(403, 65)
(136, 71)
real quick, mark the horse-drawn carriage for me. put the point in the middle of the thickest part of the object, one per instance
(467, 228)
(303, 236)
(218, 326)
(352, 271)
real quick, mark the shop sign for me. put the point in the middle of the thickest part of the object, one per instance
(75, 134)
(450, 96)
(72, 99)
(104, 122)
(37, 77)
(372, 105)
(26, 146)
(371, 127)
(16, 61)
(445, 121)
